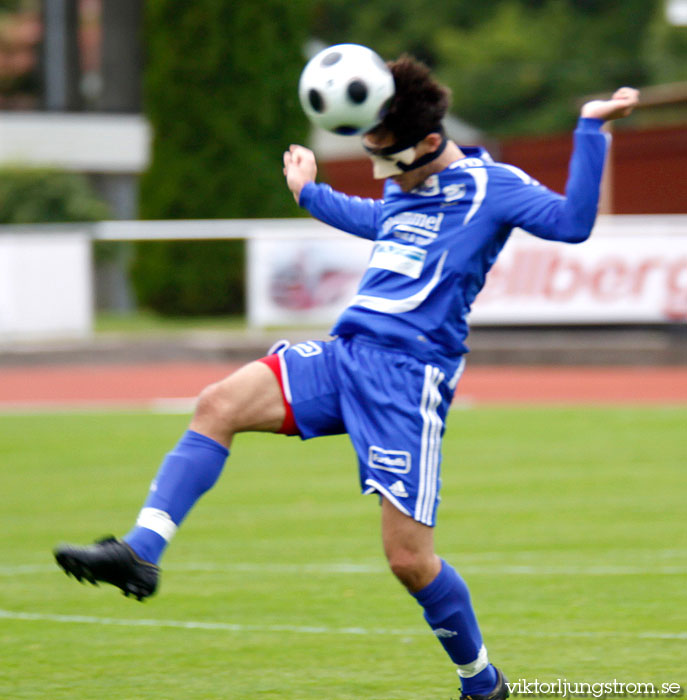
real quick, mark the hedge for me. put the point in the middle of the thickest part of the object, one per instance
(221, 94)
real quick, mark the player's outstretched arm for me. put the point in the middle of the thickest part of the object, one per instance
(300, 168)
(620, 105)
(571, 218)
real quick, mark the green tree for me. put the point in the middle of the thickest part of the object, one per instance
(515, 66)
(10, 5)
(391, 27)
(522, 70)
(666, 51)
(221, 94)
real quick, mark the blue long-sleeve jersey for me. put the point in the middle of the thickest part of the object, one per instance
(435, 244)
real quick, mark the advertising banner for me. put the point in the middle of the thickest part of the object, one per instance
(46, 287)
(633, 270)
(607, 279)
(296, 279)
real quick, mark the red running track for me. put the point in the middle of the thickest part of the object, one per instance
(141, 384)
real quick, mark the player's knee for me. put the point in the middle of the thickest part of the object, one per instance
(408, 567)
(215, 404)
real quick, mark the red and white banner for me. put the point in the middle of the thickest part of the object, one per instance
(607, 279)
(633, 269)
(303, 277)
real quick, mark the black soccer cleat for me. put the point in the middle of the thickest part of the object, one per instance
(112, 561)
(500, 691)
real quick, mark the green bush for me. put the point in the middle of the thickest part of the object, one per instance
(221, 95)
(43, 195)
(49, 196)
(180, 278)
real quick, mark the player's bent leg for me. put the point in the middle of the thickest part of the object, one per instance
(445, 599)
(250, 399)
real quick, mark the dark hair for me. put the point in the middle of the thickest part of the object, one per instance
(419, 103)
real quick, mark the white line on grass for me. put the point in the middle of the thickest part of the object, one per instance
(468, 569)
(335, 568)
(200, 625)
(300, 629)
(164, 406)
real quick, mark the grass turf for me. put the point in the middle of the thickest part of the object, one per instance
(569, 525)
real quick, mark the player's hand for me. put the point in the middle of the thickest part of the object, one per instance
(621, 104)
(300, 168)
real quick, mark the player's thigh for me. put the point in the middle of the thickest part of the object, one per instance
(249, 399)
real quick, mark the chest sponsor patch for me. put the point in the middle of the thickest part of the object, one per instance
(396, 461)
(406, 260)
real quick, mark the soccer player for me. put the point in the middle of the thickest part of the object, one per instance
(388, 375)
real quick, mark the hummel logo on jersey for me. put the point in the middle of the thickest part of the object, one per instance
(444, 633)
(398, 489)
(417, 220)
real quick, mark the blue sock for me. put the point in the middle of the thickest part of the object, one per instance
(448, 611)
(186, 473)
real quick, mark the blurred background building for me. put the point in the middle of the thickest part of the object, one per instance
(70, 99)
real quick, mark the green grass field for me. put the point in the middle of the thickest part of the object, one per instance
(568, 524)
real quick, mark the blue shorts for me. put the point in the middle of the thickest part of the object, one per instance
(392, 405)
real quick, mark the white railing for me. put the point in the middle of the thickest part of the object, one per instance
(632, 270)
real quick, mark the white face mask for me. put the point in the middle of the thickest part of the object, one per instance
(386, 166)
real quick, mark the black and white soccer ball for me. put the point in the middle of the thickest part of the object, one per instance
(346, 89)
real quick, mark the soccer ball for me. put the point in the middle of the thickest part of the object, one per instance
(346, 89)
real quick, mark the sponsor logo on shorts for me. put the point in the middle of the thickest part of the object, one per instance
(396, 461)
